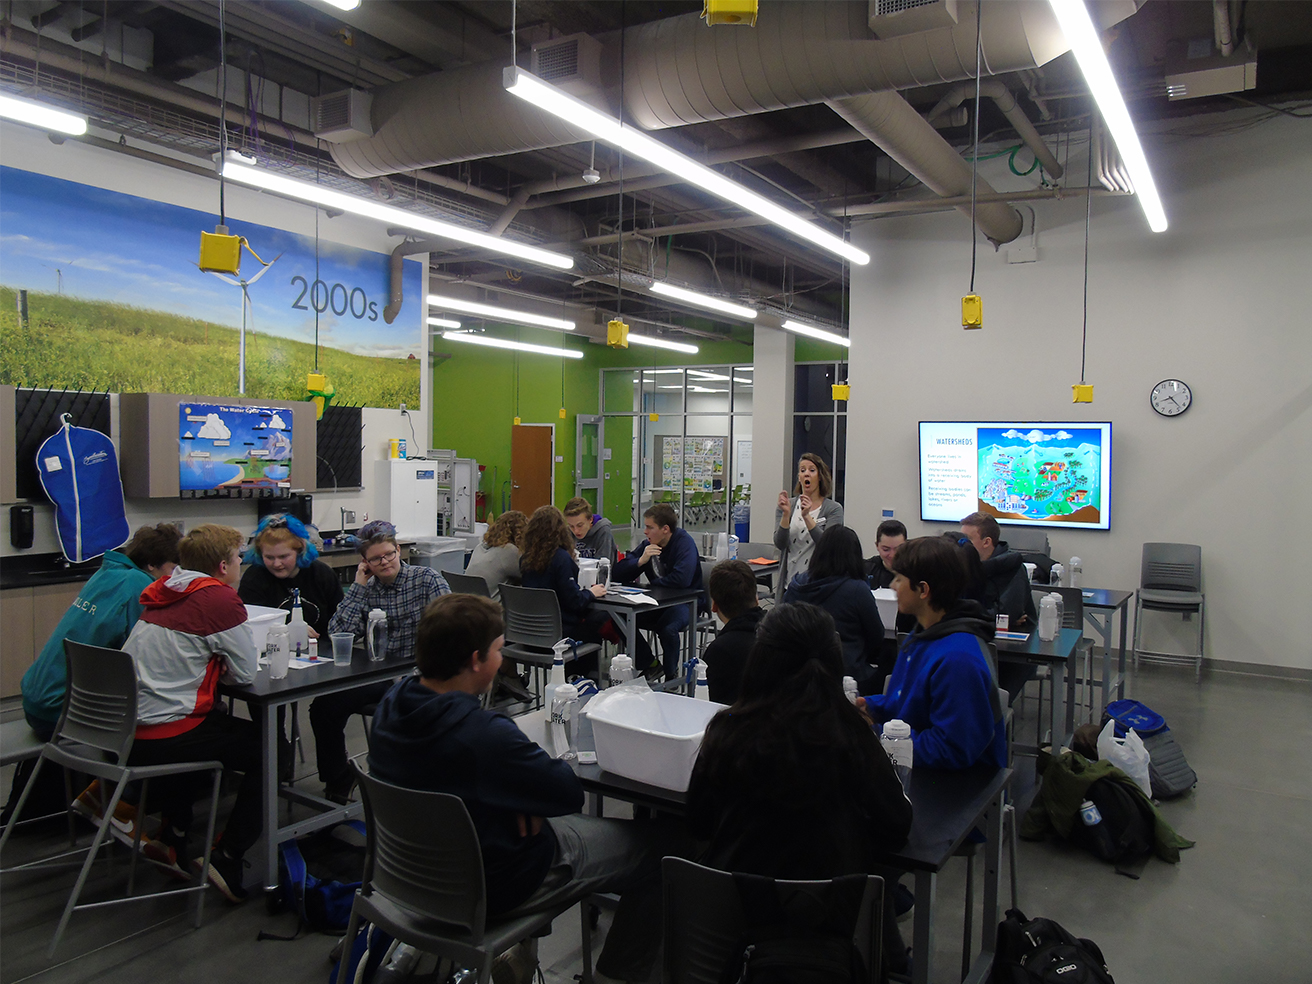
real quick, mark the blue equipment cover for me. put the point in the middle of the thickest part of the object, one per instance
(79, 471)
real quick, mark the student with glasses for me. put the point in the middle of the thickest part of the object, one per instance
(403, 591)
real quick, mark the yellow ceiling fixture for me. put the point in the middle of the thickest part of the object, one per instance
(617, 334)
(729, 12)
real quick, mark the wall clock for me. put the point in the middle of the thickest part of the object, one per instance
(1171, 397)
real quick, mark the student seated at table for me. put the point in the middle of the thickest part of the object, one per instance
(801, 519)
(836, 581)
(791, 782)
(1006, 585)
(191, 634)
(592, 532)
(942, 685)
(734, 602)
(668, 556)
(430, 733)
(382, 580)
(496, 557)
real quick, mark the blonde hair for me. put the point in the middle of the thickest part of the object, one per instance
(206, 547)
(507, 528)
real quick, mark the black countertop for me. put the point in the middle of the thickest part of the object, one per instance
(33, 570)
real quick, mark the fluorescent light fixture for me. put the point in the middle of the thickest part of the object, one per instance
(703, 300)
(505, 314)
(703, 374)
(443, 323)
(501, 343)
(694, 389)
(1083, 38)
(811, 332)
(342, 4)
(39, 114)
(258, 177)
(740, 379)
(662, 343)
(634, 141)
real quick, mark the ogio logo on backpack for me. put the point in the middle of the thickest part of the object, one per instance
(1065, 970)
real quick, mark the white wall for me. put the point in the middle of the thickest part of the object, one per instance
(1219, 300)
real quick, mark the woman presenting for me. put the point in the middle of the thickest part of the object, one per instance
(803, 517)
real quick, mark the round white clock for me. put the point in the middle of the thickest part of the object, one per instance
(1171, 397)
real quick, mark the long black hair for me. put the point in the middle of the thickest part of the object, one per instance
(838, 554)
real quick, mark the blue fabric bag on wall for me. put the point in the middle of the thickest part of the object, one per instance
(79, 471)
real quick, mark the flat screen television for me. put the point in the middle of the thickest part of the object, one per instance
(1023, 473)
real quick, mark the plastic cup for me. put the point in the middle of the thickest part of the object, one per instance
(343, 643)
(279, 661)
(1030, 569)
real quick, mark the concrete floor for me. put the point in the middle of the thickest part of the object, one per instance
(1237, 909)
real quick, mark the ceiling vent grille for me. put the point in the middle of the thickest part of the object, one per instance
(895, 18)
(571, 63)
(342, 116)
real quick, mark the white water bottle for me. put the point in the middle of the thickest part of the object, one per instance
(298, 633)
(376, 634)
(621, 669)
(850, 689)
(1076, 572)
(560, 730)
(896, 740)
(278, 652)
(557, 677)
(1060, 603)
(701, 691)
(1058, 575)
(1048, 623)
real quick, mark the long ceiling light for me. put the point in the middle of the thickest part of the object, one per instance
(39, 114)
(634, 141)
(662, 343)
(505, 314)
(1083, 38)
(342, 4)
(258, 177)
(501, 343)
(443, 323)
(703, 300)
(812, 332)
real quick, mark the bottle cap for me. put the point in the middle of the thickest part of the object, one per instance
(377, 613)
(567, 691)
(897, 729)
(621, 662)
(849, 683)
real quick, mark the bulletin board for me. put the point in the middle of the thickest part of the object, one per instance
(699, 459)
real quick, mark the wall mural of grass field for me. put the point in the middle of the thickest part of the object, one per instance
(116, 302)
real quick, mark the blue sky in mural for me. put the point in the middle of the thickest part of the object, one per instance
(109, 246)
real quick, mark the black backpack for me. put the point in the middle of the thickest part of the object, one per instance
(1126, 832)
(1040, 951)
(797, 935)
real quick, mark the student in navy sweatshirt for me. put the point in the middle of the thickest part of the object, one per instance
(669, 558)
(942, 685)
(430, 732)
(547, 561)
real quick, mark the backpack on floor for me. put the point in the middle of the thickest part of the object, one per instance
(1040, 951)
(1168, 771)
(321, 901)
(1125, 832)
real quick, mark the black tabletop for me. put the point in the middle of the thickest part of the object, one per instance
(663, 596)
(326, 676)
(1105, 597)
(1059, 648)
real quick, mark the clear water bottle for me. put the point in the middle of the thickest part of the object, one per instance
(1076, 572)
(278, 651)
(1089, 813)
(733, 547)
(1058, 575)
(850, 689)
(376, 634)
(557, 677)
(896, 740)
(603, 571)
(298, 633)
(562, 730)
(621, 669)
(1048, 623)
(701, 691)
(1060, 602)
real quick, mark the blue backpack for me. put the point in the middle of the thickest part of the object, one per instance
(323, 905)
(1168, 771)
(78, 468)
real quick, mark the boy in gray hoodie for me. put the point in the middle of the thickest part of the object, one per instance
(592, 534)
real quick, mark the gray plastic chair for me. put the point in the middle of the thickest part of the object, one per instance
(704, 921)
(95, 736)
(423, 879)
(1171, 580)
(467, 584)
(533, 626)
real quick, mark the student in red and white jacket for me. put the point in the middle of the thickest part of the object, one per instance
(191, 634)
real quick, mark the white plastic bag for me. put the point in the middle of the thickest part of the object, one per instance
(1128, 754)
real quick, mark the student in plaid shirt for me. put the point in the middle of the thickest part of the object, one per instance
(383, 581)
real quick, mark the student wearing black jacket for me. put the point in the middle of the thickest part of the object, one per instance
(1006, 585)
(836, 582)
(733, 600)
(547, 561)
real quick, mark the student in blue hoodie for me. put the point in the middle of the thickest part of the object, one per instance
(670, 559)
(942, 684)
(836, 582)
(430, 732)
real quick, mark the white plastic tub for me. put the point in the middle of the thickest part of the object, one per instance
(442, 553)
(261, 619)
(652, 737)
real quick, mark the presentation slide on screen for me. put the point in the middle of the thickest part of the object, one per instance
(1026, 474)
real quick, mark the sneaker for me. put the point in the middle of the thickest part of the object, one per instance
(165, 851)
(340, 792)
(122, 826)
(904, 902)
(518, 965)
(226, 874)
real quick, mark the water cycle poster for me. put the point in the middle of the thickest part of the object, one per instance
(233, 449)
(1052, 475)
(116, 302)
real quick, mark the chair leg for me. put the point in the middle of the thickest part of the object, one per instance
(136, 836)
(967, 931)
(352, 928)
(92, 851)
(1009, 817)
(296, 730)
(209, 844)
(22, 801)
(585, 918)
(1138, 626)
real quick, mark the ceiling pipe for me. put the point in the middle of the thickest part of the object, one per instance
(1006, 102)
(894, 125)
(925, 205)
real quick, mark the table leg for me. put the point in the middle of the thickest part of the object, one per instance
(922, 945)
(690, 644)
(1058, 711)
(1101, 620)
(269, 745)
(1124, 609)
(992, 883)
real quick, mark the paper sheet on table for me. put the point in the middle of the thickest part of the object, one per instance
(301, 664)
(762, 561)
(1013, 636)
(630, 599)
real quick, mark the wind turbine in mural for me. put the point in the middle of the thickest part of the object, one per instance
(245, 284)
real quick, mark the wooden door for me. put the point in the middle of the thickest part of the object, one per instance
(532, 449)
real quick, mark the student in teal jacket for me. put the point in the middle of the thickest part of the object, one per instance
(103, 614)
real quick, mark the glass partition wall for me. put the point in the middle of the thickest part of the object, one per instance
(690, 435)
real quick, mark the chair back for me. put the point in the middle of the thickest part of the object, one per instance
(705, 922)
(1172, 567)
(1072, 603)
(532, 616)
(422, 853)
(467, 584)
(100, 705)
(750, 551)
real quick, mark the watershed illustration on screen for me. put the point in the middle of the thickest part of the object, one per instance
(235, 450)
(1039, 474)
